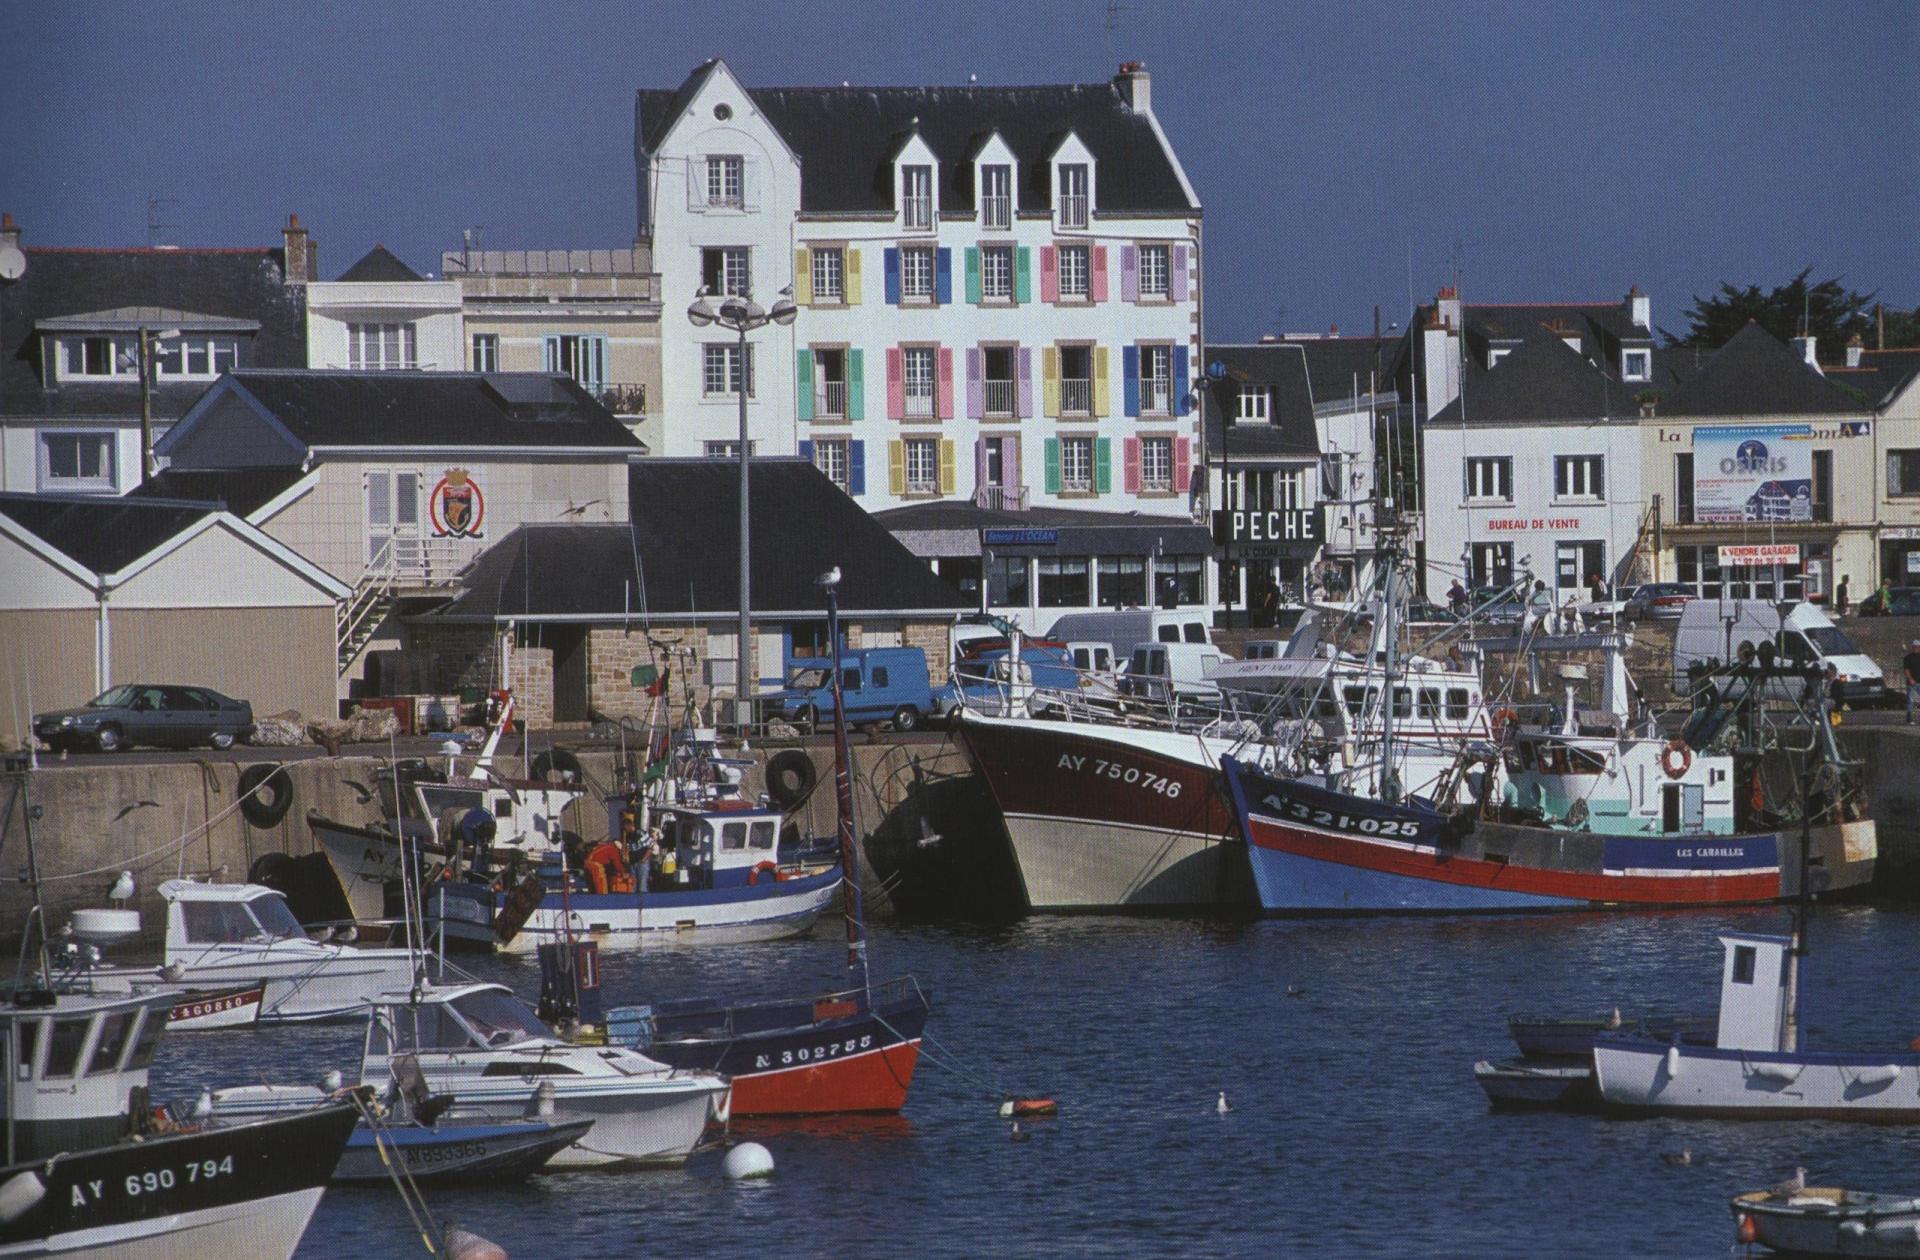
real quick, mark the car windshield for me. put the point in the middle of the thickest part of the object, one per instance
(275, 918)
(1832, 641)
(113, 698)
(499, 1019)
(808, 679)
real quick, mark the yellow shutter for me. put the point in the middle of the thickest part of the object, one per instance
(803, 277)
(1050, 380)
(897, 468)
(850, 282)
(946, 465)
(1099, 380)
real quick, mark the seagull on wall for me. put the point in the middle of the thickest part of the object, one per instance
(136, 805)
(122, 890)
(576, 511)
(829, 579)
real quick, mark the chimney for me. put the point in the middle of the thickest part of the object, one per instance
(302, 258)
(1855, 348)
(1136, 86)
(1447, 307)
(9, 231)
(1640, 308)
(1805, 345)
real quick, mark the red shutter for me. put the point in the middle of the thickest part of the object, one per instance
(1099, 281)
(896, 385)
(1049, 274)
(943, 386)
(1130, 475)
(1182, 463)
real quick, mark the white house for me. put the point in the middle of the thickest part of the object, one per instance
(382, 315)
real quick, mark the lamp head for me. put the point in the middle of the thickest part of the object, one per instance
(739, 312)
(702, 312)
(783, 308)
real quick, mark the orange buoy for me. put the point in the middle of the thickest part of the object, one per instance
(1747, 1233)
(1035, 1107)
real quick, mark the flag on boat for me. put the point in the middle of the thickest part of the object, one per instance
(650, 679)
(657, 760)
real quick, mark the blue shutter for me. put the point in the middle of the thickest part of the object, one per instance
(1130, 364)
(1180, 403)
(893, 277)
(943, 278)
(856, 468)
(806, 451)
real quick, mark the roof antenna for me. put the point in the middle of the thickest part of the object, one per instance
(154, 226)
(1114, 10)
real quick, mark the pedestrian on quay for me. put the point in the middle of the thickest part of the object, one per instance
(1458, 602)
(1836, 693)
(1841, 600)
(1911, 664)
(1596, 587)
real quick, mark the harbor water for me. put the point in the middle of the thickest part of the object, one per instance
(1355, 1126)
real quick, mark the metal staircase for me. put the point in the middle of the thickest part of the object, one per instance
(359, 615)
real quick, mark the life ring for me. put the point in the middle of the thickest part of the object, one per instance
(772, 868)
(790, 777)
(1502, 719)
(560, 759)
(266, 793)
(1676, 749)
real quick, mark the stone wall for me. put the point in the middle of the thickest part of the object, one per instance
(530, 675)
(935, 638)
(612, 656)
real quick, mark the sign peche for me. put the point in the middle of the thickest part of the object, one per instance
(1293, 532)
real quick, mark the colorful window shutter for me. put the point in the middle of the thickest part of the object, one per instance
(1049, 274)
(943, 277)
(1180, 403)
(1103, 465)
(856, 385)
(896, 385)
(973, 275)
(1050, 379)
(1101, 398)
(856, 468)
(1010, 461)
(946, 465)
(1023, 407)
(976, 407)
(1098, 283)
(980, 461)
(806, 451)
(1129, 273)
(1022, 274)
(897, 468)
(1177, 282)
(1053, 465)
(943, 385)
(892, 260)
(1130, 465)
(803, 384)
(1130, 368)
(850, 282)
(1182, 464)
(803, 277)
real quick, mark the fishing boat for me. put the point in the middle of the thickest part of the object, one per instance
(77, 968)
(1533, 1085)
(1829, 1221)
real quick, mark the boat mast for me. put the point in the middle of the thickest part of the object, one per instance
(843, 795)
(1388, 635)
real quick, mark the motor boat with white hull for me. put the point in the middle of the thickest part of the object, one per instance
(77, 968)
(1830, 1221)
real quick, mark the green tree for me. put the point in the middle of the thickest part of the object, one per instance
(1827, 309)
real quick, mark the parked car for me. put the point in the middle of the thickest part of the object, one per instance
(980, 682)
(156, 715)
(1901, 601)
(1497, 605)
(1123, 628)
(1616, 607)
(1662, 601)
(877, 682)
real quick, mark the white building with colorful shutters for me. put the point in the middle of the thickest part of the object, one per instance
(998, 291)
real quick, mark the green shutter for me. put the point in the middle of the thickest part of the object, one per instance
(803, 383)
(1053, 465)
(856, 386)
(1022, 275)
(1103, 465)
(973, 274)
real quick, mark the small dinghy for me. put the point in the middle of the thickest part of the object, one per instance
(1820, 1221)
(1562, 1037)
(1524, 1085)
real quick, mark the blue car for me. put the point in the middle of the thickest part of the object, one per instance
(879, 683)
(979, 682)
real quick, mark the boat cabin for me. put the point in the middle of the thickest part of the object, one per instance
(713, 848)
(1632, 785)
(199, 915)
(473, 1018)
(70, 1067)
(1754, 993)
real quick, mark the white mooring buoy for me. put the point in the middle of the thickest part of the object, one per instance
(464, 1244)
(747, 1160)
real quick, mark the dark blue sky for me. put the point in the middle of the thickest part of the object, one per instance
(1541, 150)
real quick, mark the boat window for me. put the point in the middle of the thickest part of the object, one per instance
(763, 835)
(1585, 761)
(1402, 702)
(534, 1067)
(113, 1039)
(1356, 699)
(218, 922)
(499, 1019)
(1457, 703)
(1429, 702)
(148, 1041)
(733, 836)
(1743, 959)
(503, 807)
(427, 1027)
(29, 1035)
(275, 919)
(63, 1048)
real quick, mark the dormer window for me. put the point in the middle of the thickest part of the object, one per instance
(1073, 195)
(916, 197)
(1253, 405)
(996, 196)
(1636, 365)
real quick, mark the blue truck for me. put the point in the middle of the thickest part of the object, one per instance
(979, 682)
(879, 683)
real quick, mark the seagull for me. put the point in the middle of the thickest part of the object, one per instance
(1792, 1185)
(332, 1081)
(203, 1105)
(136, 805)
(1613, 1020)
(1223, 1106)
(829, 579)
(122, 889)
(576, 511)
(1295, 991)
(1017, 1134)
(1677, 1159)
(174, 972)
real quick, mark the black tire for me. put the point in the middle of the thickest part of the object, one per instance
(267, 805)
(107, 739)
(561, 759)
(790, 777)
(222, 740)
(906, 718)
(268, 867)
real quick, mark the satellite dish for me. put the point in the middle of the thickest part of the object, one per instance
(13, 263)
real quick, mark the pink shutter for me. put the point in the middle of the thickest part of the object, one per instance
(1010, 462)
(1024, 405)
(896, 385)
(1099, 273)
(1129, 273)
(976, 407)
(1049, 274)
(1177, 282)
(1182, 463)
(943, 386)
(980, 462)
(1131, 475)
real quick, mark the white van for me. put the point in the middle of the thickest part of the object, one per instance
(1120, 630)
(1163, 671)
(1711, 632)
(1092, 658)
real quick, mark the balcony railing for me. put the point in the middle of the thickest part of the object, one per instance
(919, 406)
(996, 211)
(1073, 210)
(830, 400)
(1001, 498)
(999, 398)
(916, 212)
(624, 400)
(1076, 396)
(1155, 394)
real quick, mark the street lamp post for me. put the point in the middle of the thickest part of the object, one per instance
(741, 316)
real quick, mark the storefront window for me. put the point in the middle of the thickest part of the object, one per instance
(1699, 568)
(1063, 581)
(962, 573)
(1187, 575)
(1123, 581)
(1007, 581)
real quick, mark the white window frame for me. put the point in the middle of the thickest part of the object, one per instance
(382, 347)
(832, 457)
(717, 368)
(996, 258)
(105, 480)
(1156, 272)
(1076, 465)
(1156, 379)
(1489, 478)
(920, 458)
(916, 197)
(726, 180)
(192, 357)
(486, 352)
(1081, 289)
(729, 448)
(736, 269)
(1574, 478)
(1156, 465)
(996, 195)
(917, 267)
(829, 274)
(919, 379)
(122, 358)
(1075, 182)
(1254, 405)
(1636, 365)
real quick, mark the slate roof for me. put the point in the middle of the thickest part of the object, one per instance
(451, 409)
(1542, 379)
(1079, 531)
(1882, 375)
(240, 490)
(233, 284)
(845, 138)
(680, 555)
(104, 535)
(1300, 374)
(1757, 374)
(379, 263)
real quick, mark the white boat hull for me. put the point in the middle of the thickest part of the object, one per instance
(1078, 864)
(646, 1129)
(1834, 1222)
(1645, 1076)
(333, 982)
(258, 1229)
(615, 922)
